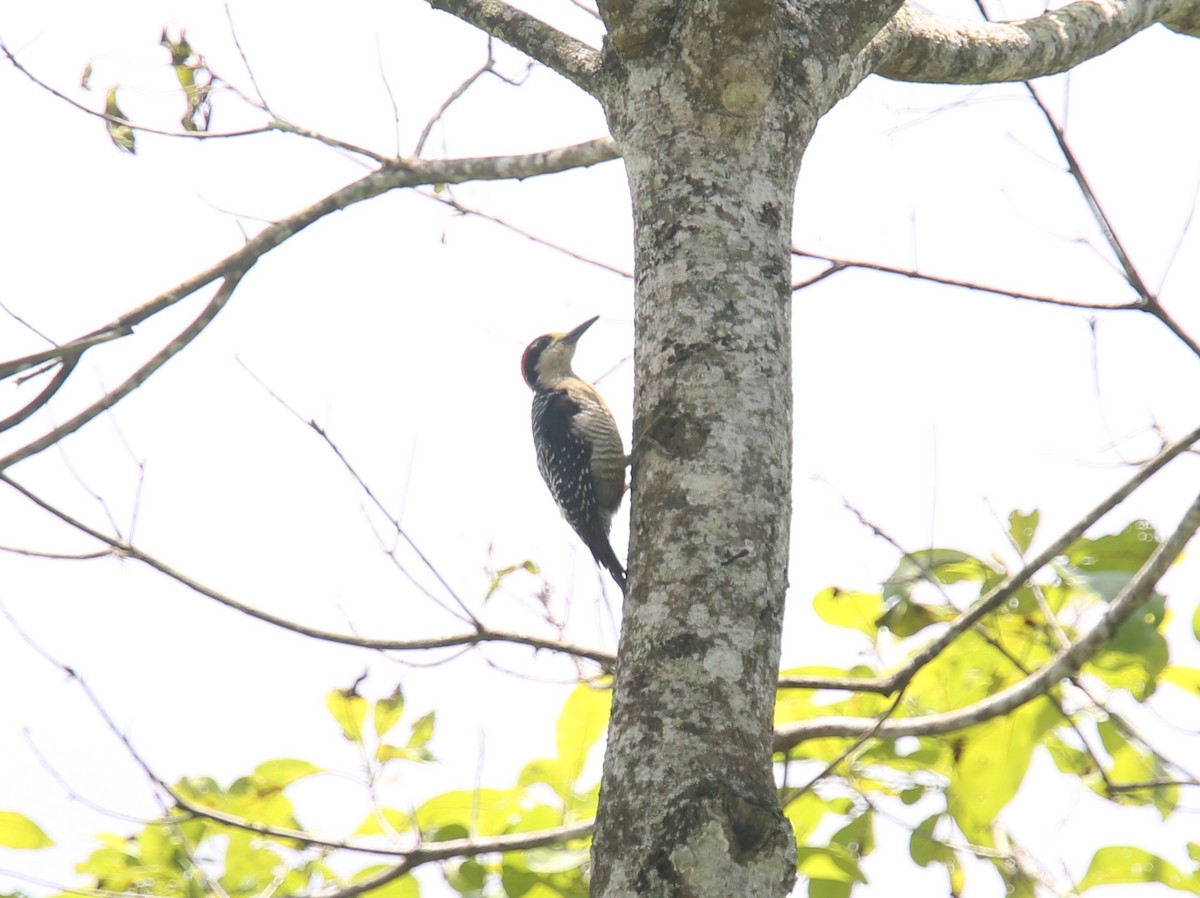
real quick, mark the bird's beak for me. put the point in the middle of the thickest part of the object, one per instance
(571, 337)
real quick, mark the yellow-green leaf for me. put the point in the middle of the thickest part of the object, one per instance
(281, 773)
(422, 732)
(991, 766)
(119, 131)
(583, 720)
(18, 831)
(1022, 527)
(831, 862)
(404, 887)
(384, 822)
(1184, 677)
(1126, 864)
(349, 709)
(854, 610)
(388, 711)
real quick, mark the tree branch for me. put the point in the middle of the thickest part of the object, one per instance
(135, 380)
(1064, 664)
(569, 56)
(397, 174)
(481, 634)
(412, 856)
(837, 264)
(920, 46)
(886, 685)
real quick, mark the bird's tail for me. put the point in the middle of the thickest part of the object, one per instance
(602, 551)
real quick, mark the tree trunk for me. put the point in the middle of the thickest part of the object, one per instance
(689, 801)
(711, 511)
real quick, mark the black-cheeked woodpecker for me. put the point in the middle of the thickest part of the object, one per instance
(579, 449)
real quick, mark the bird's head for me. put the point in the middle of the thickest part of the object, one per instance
(547, 359)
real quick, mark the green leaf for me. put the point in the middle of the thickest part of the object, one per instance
(556, 859)
(18, 831)
(119, 132)
(926, 848)
(249, 865)
(483, 812)
(281, 773)
(422, 732)
(832, 862)
(499, 576)
(349, 709)
(1131, 763)
(1137, 655)
(805, 812)
(516, 880)
(907, 618)
(1022, 528)
(1184, 677)
(384, 822)
(857, 836)
(583, 721)
(405, 886)
(1116, 864)
(466, 877)
(1068, 759)
(946, 566)
(991, 766)
(388, 712)
(827, 888)
(853, 610)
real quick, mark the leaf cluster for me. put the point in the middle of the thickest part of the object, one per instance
(964, 779)
(246, 839)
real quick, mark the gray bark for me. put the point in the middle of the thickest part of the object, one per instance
(712, 109)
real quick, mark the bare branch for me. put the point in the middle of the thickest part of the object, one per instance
(838, 264)
(124, 549)
(885, 685)
(528, 235)
(312, 425)
(237, 43)
(920, 46)
(455, 95)
(569, 56)
(393, 176)
(135, 380)
(58, 353)
(68, 365)
(1064, 664)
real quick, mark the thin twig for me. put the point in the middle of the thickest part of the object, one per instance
(885, 685)
(453, 98)
(67, 365)
(237, 43)
(840, 264)
(370, 494)
(447, 200)
(124, 549)
(135, 380)
(1063, 665)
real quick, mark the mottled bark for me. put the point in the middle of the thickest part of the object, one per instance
(712, 112)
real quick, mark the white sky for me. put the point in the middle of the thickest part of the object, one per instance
(398, 326)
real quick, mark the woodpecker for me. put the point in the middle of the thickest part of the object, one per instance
(579, 449)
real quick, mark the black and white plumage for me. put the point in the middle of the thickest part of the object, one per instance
(579, 449)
